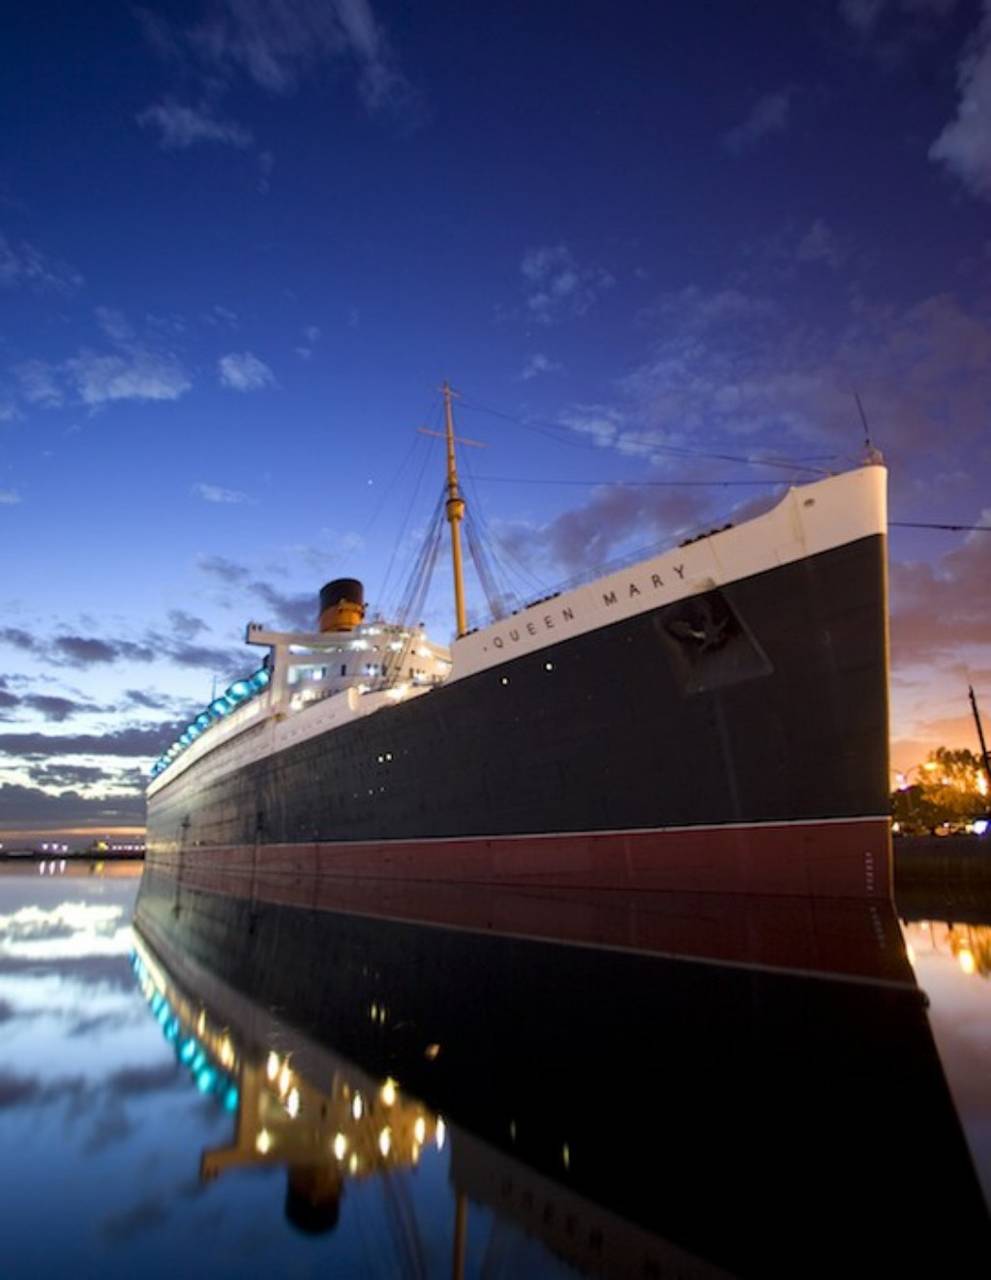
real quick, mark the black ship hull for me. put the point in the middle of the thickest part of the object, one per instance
(736, 739)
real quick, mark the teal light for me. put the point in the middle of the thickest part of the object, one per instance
(220, 707)
(202, 721)
(188, 1051)
(259, 679)
(231, 1099)
(205, 1079)
(238, 691)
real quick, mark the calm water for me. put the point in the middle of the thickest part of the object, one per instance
(273, 1084)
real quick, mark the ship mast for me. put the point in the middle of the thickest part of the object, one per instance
(455, 514)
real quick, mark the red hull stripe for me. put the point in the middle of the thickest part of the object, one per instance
(831, 859)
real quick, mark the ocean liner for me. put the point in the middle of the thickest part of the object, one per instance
(713, 718)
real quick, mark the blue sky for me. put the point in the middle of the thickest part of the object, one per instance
(241, 244)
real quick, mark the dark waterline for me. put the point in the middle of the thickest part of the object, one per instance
(712, 1088)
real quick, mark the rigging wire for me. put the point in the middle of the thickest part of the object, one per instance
(418, 581)
(494, 594)
(503, 557)
(555, 431)
(951, 528)
(636, 484)
(409, 509)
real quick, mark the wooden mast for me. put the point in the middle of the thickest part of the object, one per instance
(455, 514)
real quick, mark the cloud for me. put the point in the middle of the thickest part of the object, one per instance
(557, 286)
(9, 497)
(56, 708)
(20, 805)
(279, 43)
(182, 126)
(266, 163)
(39, 383)
(84, 651)
(769, 115)
(141, 375)
(588, 535)
(964, 146)
(24, 264)
(219, 567)
(538, 364)
(864, 15)
(242, 371)
(939, 607)
(923, 372)
(311, 334)
(185, 624)
(139, 740)
(19, 638)
(70, 775)
(214, 493)
(819, 244)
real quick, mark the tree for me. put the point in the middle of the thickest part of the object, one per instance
(951, 787)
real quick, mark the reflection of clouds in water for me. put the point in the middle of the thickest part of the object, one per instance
(69, 930)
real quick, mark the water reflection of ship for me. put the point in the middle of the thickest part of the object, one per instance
(640, 1112)
(297, 1104)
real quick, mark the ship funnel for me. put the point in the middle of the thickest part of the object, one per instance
(342, 604)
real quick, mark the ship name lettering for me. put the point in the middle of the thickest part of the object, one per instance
(531, 629)
(548, 622)
(568, 615)
(514, 634)
(657, 580)
(497, 642)
(634, 590)
(609, 597)
(680, 570)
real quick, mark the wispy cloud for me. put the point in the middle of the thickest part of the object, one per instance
(39, 383)
(274, 45)
(538, 364)
(181, 126)
(9, 497)
(138, 375)
(279, 43)
(25, 264)
(558, 286)
(242, 371)
(311, 336)
(820, 244)
(769, 115)
(865, 15)
(214, 493)
(964, 146)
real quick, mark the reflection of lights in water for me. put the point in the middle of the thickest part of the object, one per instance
(357, 1107)
(272, 1066)
(353, 1163)
(566, 1156)
(965, 959)
(292, 1103)
(910, 952)
(285, 1079)
(389, 1092)
(340, 1145)
(263, 1143)
(385, 1141)
(431, 1051)
(420, 1129)
(439, 1132)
